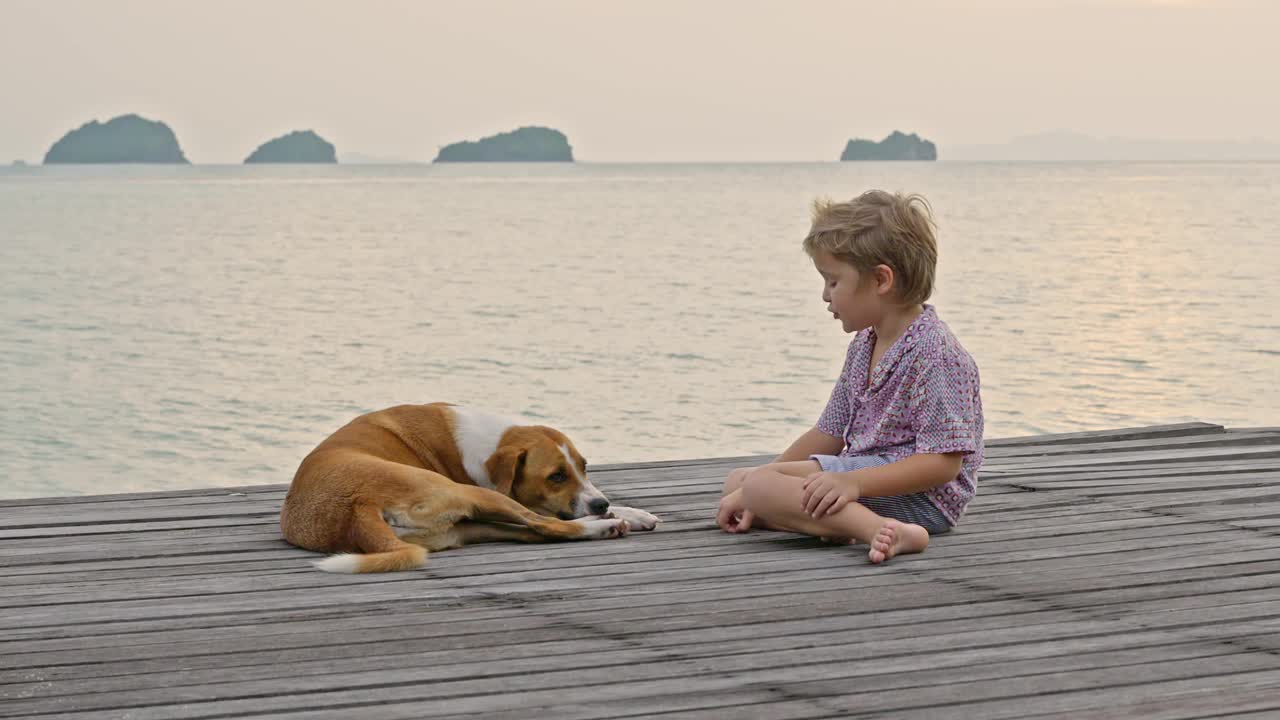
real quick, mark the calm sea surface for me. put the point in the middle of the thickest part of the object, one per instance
(175, 327)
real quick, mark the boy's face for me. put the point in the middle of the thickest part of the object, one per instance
(852, 297)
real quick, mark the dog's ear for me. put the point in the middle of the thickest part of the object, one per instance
(505, 467)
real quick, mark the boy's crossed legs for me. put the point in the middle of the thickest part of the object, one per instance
(771, 496)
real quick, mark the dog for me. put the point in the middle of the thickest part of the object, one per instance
(392, 485)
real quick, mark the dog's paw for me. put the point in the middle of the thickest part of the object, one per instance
(638, 519)
(603, 529)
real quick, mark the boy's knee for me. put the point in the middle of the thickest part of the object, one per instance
(758, 489)
(736, 478)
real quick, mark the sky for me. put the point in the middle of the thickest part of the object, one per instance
(651, 80)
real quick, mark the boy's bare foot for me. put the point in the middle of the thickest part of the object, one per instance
(896, 537)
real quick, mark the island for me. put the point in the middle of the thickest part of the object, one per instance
(125, 139)
(527, 144)
(897, 146)
(299, 146)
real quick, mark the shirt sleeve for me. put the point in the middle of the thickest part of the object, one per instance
(838, 414)
(945, 407)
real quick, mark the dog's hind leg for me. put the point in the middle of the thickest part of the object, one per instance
(471, 532)
(382, 550)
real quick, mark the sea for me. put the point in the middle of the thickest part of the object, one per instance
(175, 327)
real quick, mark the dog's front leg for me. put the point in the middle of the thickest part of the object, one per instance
(492, 506)
(638, 519)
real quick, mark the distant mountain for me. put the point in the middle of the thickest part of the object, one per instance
(1064, 146)
(125, 139)
(299, 146)
(527, 144)
(897, 146)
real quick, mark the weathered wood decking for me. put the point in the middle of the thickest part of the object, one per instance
(1118, 574)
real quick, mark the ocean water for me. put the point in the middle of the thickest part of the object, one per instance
(176, 327)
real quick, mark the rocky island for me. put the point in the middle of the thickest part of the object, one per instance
(125, 139)
(299, 146)
(527, 144)
(897, 146)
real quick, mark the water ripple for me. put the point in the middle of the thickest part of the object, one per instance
(167, 328)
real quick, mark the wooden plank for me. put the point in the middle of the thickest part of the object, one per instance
(1155, 431)
(639, 667)
(177, 561)
(638, 571)
(1167, 457)
(557, 694)
(1120, 547)
(1250, 698)
(1194, 611)
(1095, 571)
(998, 456)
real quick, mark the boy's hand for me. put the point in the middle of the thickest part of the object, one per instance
(732, 517)
(826, 493)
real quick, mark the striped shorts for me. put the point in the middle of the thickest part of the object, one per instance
(914, 508)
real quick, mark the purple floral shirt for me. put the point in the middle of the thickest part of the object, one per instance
(923, 397)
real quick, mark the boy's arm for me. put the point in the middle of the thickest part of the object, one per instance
(813, 442)
(909, 475)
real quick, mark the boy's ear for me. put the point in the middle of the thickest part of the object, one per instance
(884, 279)
(505, 466)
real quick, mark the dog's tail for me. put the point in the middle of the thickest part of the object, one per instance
(406, 557)
(383, 550)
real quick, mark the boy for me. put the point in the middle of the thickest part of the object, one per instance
(895, 454)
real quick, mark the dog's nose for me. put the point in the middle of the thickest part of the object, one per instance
(598, 506)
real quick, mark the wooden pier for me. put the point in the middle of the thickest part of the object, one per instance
(1129, 573)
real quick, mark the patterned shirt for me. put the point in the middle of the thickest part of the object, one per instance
(922, 397)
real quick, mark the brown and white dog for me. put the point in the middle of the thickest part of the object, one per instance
(393, 484)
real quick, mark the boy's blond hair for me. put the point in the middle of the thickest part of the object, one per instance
(880, 228)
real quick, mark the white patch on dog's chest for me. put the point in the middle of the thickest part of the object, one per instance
(477, 435)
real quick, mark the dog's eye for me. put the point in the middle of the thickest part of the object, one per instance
(557, 477)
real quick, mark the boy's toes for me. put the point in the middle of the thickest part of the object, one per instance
(882, 543)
